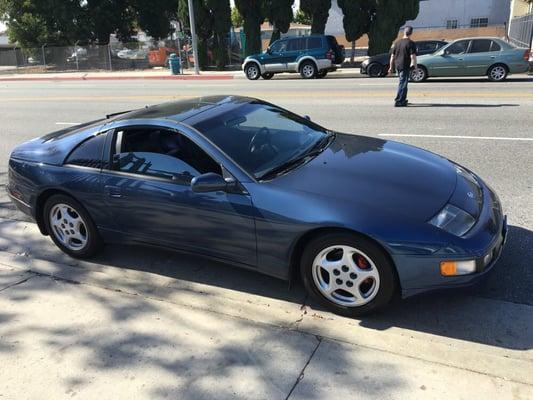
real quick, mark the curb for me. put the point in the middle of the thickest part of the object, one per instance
(123, 78)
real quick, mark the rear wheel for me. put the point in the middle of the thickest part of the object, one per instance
(267, 75)
(322, 74)
(71, 227)
(308, 70)
(350, 275)
(497, 73)
(252, 71)
(375, 70)
(419, 74)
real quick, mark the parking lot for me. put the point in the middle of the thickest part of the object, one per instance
(165, 325)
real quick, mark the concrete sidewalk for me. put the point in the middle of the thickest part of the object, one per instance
(143, 323)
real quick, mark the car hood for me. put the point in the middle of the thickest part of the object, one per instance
(378, 175)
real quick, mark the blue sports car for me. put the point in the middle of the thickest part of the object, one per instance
(243, 181)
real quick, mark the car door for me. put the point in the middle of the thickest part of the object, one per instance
(481, 55)
(275, 56)
(451, 60)
(147, 189)
(295, 47)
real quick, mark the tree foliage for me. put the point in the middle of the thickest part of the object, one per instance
(357, 17)
(301, 17)
(221, 12)
(279, 13)
(253, 13)
(154, 17)
(319, 12)
(236, 18)
(389, 17)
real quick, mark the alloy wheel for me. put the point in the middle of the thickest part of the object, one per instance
(252, 72)
(68, 227)
(308, 71)
(498, 73)
(346, 276)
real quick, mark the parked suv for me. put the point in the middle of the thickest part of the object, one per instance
(312, 56)
(378, 65)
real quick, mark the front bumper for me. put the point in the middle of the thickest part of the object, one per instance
(363, 69)
(484, 244)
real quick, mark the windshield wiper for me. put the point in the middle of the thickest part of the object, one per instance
(314, 150)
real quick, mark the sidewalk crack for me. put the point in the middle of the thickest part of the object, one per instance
(302, 372)
(16, 283)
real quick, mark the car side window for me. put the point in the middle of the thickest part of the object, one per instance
(458, 47)
(279, 46)
(161, 153)
(480, 46)
(495, 46)
(293, 45)
(314, 43)
(88, 153)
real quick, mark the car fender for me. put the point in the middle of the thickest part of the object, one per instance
(305, 58)
(251, 60)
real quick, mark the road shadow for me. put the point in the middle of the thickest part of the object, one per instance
(454, 105)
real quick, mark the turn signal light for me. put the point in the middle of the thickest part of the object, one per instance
(454, 268)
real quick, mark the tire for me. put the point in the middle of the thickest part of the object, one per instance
(497, 73)
(71, 227)
(322, 74)
(375, 70)
(308, 69)
(419, 74)
(267, 75)
(252, 71)
(375, 284)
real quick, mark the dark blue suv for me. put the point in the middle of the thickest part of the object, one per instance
(312, 56)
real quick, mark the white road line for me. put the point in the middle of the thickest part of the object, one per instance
(68, 123)
(458, 137)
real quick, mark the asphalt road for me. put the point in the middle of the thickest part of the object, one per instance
(485, 126)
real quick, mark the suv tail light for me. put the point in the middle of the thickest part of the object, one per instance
(526, 55)
(330, 54)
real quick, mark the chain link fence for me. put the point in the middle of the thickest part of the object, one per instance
(112, 57)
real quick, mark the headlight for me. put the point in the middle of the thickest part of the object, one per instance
(453, 220)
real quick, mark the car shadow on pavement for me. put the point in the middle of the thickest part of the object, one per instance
(467, 105)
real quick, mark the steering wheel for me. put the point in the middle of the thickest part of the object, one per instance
(261, 143)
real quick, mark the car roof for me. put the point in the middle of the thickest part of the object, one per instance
(182, 109)
(480, 37)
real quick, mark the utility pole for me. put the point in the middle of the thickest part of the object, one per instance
(194, 41)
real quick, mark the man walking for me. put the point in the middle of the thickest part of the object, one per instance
(402, 59)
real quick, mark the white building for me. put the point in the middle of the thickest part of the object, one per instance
(449, 14)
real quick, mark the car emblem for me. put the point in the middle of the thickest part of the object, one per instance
(470, 194)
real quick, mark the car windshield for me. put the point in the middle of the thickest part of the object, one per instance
(263, 139)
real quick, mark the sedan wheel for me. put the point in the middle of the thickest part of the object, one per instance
(497, 73)
(70, 227)
(348, 274)
(419, 74)
(252, 71)
(375, 70)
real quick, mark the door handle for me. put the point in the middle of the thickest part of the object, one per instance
(113, 191)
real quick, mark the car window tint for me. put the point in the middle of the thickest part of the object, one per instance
(294, 45)
(458, 47)
(314, 43)
(162, 153)
(495, 46)
(88, 153)
(279, 46)
(425, 47)
(480, 46)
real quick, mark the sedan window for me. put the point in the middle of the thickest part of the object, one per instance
(88, 153)
(161, 153)
(495, 46)
(480, 46)
(458, 47)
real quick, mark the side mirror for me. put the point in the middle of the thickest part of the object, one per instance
(209, 182)
(307, 117)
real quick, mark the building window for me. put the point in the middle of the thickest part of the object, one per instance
(479, 22)
(451, 24)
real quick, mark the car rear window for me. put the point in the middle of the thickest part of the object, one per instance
(480, 46)
(88, 153)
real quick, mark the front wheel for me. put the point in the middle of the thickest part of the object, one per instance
(375, 70)
(71, 227)
(252, 71)
(350, 275)
(497, 73)
(419, 74)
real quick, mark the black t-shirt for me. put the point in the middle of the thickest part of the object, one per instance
(402, 50)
